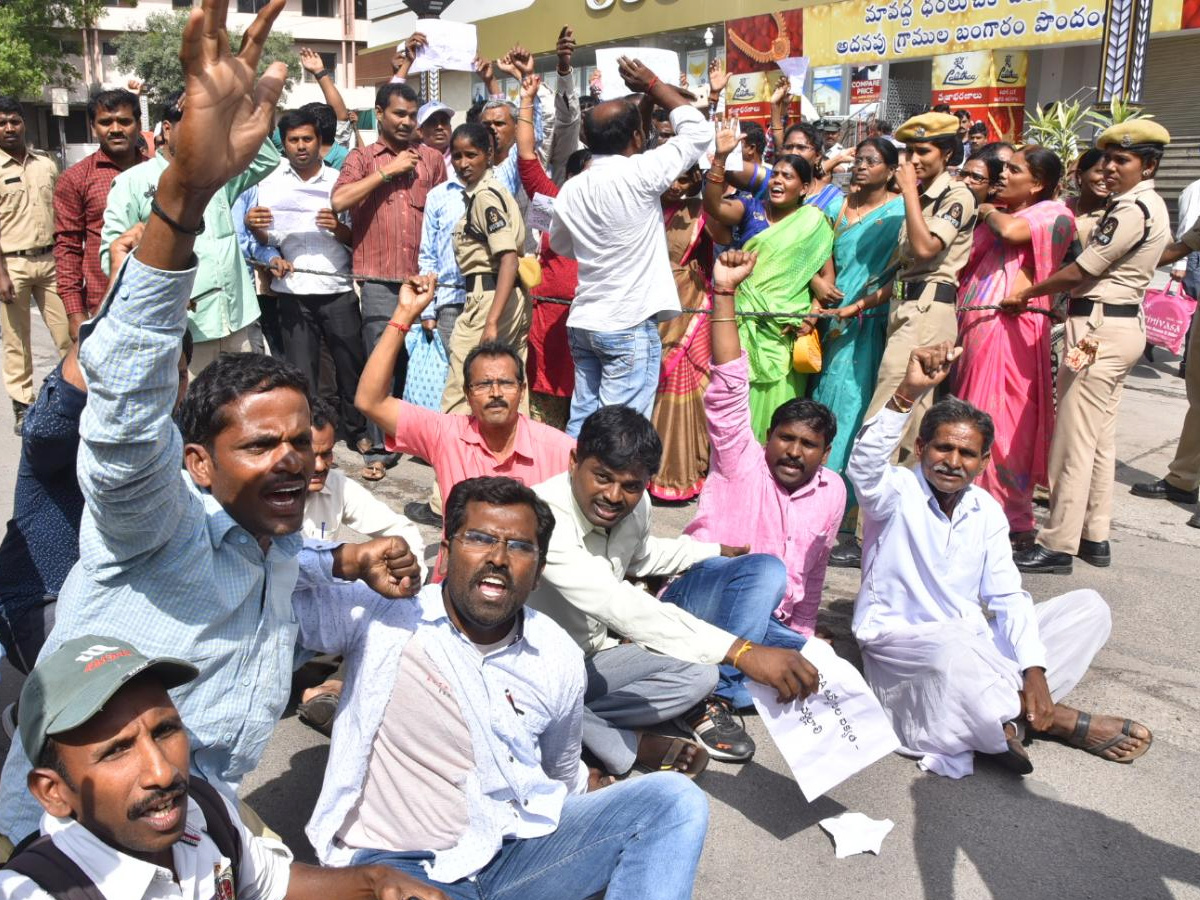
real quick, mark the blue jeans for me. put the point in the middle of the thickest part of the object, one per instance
(641, 838)
(740, 596)
(614, 368)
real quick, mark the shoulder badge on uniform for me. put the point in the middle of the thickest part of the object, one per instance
(1104, 234)
(953, 214)
(495, 221)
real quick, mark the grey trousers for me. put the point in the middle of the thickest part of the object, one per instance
(378, 302)
(629, 687)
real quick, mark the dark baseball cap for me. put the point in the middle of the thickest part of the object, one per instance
(72, 684)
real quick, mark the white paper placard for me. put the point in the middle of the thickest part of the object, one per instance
(294, 211)
(663, 63)
(795, 68)
(540, 212)
(832, 734)
(451, 45)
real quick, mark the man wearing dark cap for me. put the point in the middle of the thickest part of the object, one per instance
(123, 817)
(1106, 335)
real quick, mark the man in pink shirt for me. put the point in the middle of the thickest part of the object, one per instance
(779, 499)
(495, 439)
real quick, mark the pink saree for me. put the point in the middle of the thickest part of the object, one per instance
(1005, 366)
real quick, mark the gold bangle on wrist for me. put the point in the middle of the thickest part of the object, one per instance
(723, 319)
(745, 648)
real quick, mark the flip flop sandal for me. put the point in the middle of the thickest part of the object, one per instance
(1015, 759)
(374, 471)
(667, 763)
(1084, 723)
(318, 712)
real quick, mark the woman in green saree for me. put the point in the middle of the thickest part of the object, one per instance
(866, 232)
(793, 242)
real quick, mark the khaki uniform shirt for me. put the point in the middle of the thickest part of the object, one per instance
(1085, 224)
(493, 214)
(27, 201)
(1125, 247)
(952, 222)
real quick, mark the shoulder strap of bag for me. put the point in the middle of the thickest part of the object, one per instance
(47, 866)
(221, 828)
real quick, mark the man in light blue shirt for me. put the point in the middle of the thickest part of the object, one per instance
(199, 564)
(456, 752)
(443, 208)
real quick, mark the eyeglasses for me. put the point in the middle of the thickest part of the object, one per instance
(797, 148)
(485, 387)
(485, 543)
(867, 161)
(973, 177)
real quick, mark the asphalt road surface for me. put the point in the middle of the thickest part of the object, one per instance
(1078, 827)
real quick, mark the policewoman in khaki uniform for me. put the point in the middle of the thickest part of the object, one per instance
(27, 179)
(487, 245)
(935, 242)
(1106, 335)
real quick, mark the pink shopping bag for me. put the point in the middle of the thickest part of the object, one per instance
(1168, 314)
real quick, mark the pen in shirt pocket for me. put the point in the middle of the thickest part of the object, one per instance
(513, 703)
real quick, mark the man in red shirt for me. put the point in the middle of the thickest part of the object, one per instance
(384, 185)
(80, 198)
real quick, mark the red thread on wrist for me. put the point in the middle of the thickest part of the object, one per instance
(400, 326)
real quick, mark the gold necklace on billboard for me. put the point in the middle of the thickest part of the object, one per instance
(781, 47)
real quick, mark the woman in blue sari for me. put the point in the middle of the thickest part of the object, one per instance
(866, 232)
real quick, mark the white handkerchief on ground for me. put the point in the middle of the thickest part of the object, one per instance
(854, 833)
(663, 63)
(831, 735)
(450, 45)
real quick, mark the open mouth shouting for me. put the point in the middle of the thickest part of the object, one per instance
(286, 497)
(162, 813)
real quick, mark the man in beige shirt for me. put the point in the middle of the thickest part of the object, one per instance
(653, 660)
(27, 178)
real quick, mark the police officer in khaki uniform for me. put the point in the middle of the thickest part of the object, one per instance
(1183, 475)
(487, 244)
(27, 178)
(935, 243)
(1106, 335)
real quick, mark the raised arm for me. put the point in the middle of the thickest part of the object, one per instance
(781, 99)
(730, 269)
(131, 451)
(564, 137)
(311, 61)
(526, 139)
(725, 211)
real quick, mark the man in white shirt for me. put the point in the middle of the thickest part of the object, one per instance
(456, 753)
(609, 218)
(956, 680)
(297, 228)
(123, 818)
(718, 612)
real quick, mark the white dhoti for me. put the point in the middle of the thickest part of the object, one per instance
(949, 687)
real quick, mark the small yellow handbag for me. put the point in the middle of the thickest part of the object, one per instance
(806, 354)
(529, 272)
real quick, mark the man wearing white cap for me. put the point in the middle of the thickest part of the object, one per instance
(433, 122)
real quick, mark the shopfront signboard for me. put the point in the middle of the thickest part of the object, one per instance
(989, 84)
(754, 48)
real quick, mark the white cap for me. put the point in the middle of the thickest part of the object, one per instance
(430, 109)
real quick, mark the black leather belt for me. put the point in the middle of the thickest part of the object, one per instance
(36, 251)
(480, 283)
(914, 290)
(1085, 306)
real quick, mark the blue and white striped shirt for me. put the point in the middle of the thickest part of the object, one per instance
(444, 206)
(161, 562)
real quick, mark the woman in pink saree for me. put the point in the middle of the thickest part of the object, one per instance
(1005, 366)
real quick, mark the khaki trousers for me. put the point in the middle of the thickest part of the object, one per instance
(1184, 471)
(32, 277)
(204, 352)
(468, 334)
(912, 324)
(1083, 453)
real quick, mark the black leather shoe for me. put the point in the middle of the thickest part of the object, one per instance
(847, 555)
(1039, 559)
(1194, 521)
(1095, 552)
(1164, 490)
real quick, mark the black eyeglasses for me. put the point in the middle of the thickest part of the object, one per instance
(973, 177)
(484, 542)
(506, 385)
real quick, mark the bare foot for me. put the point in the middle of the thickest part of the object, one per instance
(1109, 737)
(598, 778)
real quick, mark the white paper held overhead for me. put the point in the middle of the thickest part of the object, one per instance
(834, 733)
(663, 63)
(450, 45)
(795, 68)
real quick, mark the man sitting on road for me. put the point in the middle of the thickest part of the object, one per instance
(782, 501)
(456, 754)
(122, 817)
(954, 680)
(668, 669)
(495, 439)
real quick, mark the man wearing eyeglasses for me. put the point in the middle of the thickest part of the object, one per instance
(495, 439)
(456, 754)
